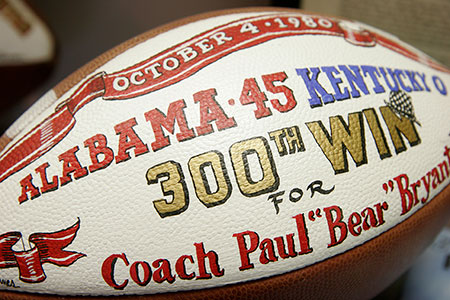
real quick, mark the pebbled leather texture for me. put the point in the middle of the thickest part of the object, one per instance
(360, 273)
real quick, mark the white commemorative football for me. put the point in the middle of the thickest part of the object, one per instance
(249, 154)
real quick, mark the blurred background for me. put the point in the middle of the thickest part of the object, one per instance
(44, 41)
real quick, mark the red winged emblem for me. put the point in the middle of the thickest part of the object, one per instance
(47, 248)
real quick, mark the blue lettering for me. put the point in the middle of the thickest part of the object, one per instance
(394, 86)
(354, 77)
(399, 73)
(422, 77)
(349, 81)
(314, 86)
(373, 73)
(335, 83)
(439, 84)
(411, 76)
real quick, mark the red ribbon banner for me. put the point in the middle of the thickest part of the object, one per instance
(48, 248)
(180, 62)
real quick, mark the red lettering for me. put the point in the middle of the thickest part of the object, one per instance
(134, 273)
(282, 249)
(244, 251)
(443, 166)
(97, 146)
(46, 185)
(405, 194)
(436, 179)
(159, 120)
(251, 93)
(379, 208)
(71, 165)
(210, 111)
(28, 187)
(108, 270)
(128, 139)
(414, 187)
(267, 252)
(369, 218)
(213, 262)
(163, 272)
(353, 224)
(302, 234)
(276, 89)
(426, 182)
(335, 223)
(180, 267)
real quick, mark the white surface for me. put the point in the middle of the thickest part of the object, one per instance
(115, 205)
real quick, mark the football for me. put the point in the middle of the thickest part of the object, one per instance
(27, 51)
(243, 154)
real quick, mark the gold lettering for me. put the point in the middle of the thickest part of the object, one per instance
(343, 138)
(399, 125)
(197, 165)
(377, 133)
(239, 153)
(174, 186)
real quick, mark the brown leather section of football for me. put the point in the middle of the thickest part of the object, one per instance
(4, 140)
(360, 273)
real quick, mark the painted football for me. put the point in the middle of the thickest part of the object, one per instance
(249, 154)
